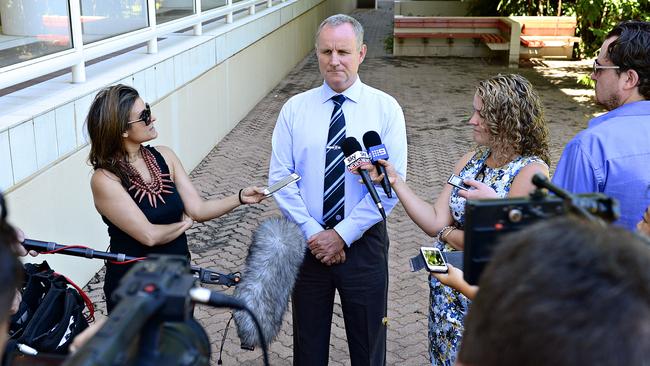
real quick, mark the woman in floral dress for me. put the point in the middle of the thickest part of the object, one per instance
(509, 128)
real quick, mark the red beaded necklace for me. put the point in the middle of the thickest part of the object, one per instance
(154, 189)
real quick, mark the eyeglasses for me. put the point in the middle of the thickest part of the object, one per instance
(598, 67)
(145, 116)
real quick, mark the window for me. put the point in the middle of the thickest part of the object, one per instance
(212, 4)
(101, 19)
(33, 28)
(167, 10)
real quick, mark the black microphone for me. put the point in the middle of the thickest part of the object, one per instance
(377, 151)
(354, 159)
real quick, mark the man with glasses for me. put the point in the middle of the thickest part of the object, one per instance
(611, 156)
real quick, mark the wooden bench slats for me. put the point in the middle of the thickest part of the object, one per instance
(436, 35)
(493, 38)
(546, 31)
(548, 41)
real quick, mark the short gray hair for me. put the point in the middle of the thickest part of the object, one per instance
(338, 19)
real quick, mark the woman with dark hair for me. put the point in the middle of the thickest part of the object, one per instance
(509, 128)
(142, 192)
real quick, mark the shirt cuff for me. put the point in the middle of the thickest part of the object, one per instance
(310, 228)
(348, 232)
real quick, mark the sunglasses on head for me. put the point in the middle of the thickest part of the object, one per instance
(145, 116)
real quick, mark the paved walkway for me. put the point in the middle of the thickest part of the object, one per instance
(436, 95)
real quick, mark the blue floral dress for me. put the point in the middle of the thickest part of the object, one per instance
(447, 306)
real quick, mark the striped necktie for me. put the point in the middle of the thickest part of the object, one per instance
(334, 187)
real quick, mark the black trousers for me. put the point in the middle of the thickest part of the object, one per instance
(362, 283)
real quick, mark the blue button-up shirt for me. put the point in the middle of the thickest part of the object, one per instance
(299, 141)
(612, 156)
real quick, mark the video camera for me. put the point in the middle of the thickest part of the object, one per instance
(153, 323)
(486, 221)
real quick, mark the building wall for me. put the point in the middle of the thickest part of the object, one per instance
(194, 110)
(422, 8)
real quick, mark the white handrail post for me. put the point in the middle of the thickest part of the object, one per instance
(229, 15)
(269, 3)
(78, 69)
(251, 9)
(198, 27)
(152, 44)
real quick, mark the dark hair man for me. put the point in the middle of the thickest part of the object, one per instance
(348, 243)
(563, 292)
(612, 154)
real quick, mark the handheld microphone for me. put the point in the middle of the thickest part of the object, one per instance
(377, 151)
(354, 159)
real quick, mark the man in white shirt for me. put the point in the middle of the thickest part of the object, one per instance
(347, 238)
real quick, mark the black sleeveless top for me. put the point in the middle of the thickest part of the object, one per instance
(165, 213)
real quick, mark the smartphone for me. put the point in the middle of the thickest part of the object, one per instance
(434, 260)
(293, 177)
(457, 182)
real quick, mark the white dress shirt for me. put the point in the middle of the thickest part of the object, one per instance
(299, 140)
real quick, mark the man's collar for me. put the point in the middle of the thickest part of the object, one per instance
(628, 109)
(352, 93)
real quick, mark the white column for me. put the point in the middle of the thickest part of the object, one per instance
(198, 27)
(78, 69)
(152, 44)
(229, 15)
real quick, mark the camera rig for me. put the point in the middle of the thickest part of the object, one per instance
(153, 323)
(487, 220)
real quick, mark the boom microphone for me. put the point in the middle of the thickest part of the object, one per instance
(377, 151)
(270, 272)
(354, 159)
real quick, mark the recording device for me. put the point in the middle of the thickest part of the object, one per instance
(293, 177)
(47, 247)
(354, 159)
(487, 220)
(377, 151)
(433, 259)
(270, 271)
(457, 182)
(152, 323)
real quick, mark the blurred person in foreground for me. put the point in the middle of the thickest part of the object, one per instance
(11, 271)
(563, 292)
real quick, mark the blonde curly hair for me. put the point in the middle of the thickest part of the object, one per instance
(514, 116)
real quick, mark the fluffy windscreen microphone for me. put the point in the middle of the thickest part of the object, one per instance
(269, 274)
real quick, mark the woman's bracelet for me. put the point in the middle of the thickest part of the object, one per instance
(239, 196)
(444, 232)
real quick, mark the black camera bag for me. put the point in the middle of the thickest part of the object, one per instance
(58, 317)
